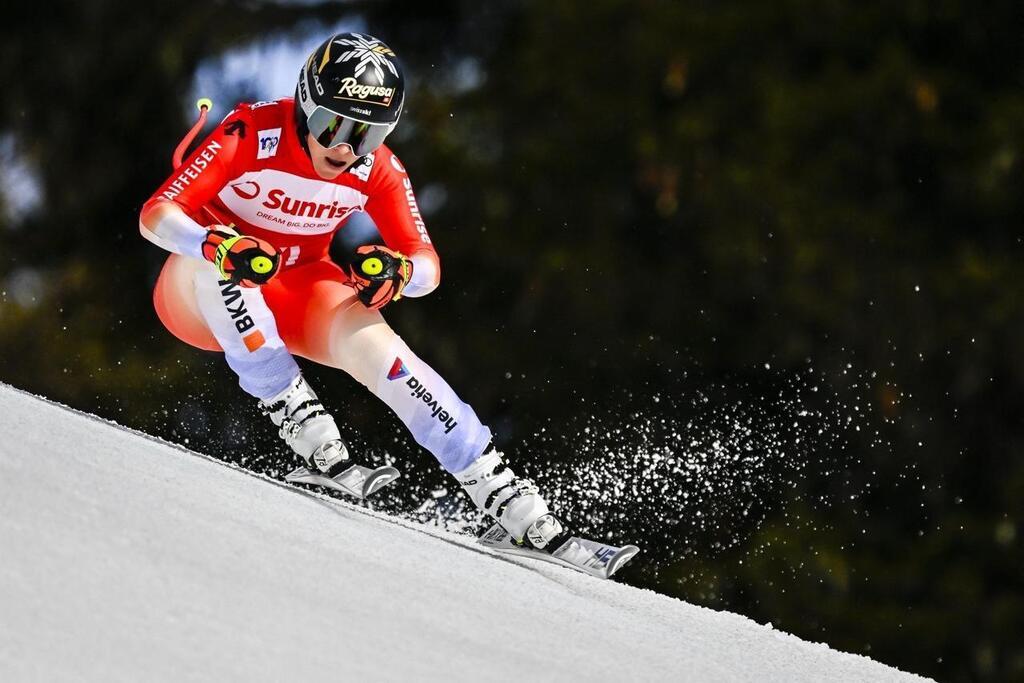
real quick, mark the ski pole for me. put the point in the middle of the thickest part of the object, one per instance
(204, 105)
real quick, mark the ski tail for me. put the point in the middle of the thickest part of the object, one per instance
(357, 481)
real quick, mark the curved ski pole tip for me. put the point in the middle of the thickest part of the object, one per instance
(204, 105)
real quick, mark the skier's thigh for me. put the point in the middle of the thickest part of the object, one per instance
(320, 318)
(174, 298)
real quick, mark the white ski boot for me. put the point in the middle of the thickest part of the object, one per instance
(515, 503)
(308, 428)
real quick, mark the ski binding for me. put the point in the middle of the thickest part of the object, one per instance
(357, 481)
(583, 555)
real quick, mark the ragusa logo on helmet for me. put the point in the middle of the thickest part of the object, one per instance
(351, 88)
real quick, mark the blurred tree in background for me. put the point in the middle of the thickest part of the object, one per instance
(631, 200)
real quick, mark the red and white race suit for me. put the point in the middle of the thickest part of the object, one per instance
(253, 174)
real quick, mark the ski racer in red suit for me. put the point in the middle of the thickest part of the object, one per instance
(249, 217)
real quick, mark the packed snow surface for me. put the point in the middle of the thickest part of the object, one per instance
(126, 559)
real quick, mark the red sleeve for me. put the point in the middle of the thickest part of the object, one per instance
(205, 172)
(392, 205)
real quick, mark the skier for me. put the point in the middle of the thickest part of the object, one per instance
(249, 217)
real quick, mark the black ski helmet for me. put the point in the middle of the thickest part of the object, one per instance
(357, 79)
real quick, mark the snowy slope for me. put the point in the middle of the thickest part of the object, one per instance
(126, 559)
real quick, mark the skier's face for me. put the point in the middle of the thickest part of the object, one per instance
(329, 163)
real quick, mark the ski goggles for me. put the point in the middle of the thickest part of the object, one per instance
(332, 129)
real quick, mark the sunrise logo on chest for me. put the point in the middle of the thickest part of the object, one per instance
(286, 203)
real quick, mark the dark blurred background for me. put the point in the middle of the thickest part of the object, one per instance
(737, 282)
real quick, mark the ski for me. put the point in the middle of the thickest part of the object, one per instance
(357, 481)
(583, 555)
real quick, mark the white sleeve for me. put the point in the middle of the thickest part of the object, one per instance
(176, 232)
(424, 277)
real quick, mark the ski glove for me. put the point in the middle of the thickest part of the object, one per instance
(243, 259)
(379, 275)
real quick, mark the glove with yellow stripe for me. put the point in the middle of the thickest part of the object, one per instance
(379, 275)
(243, 259)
